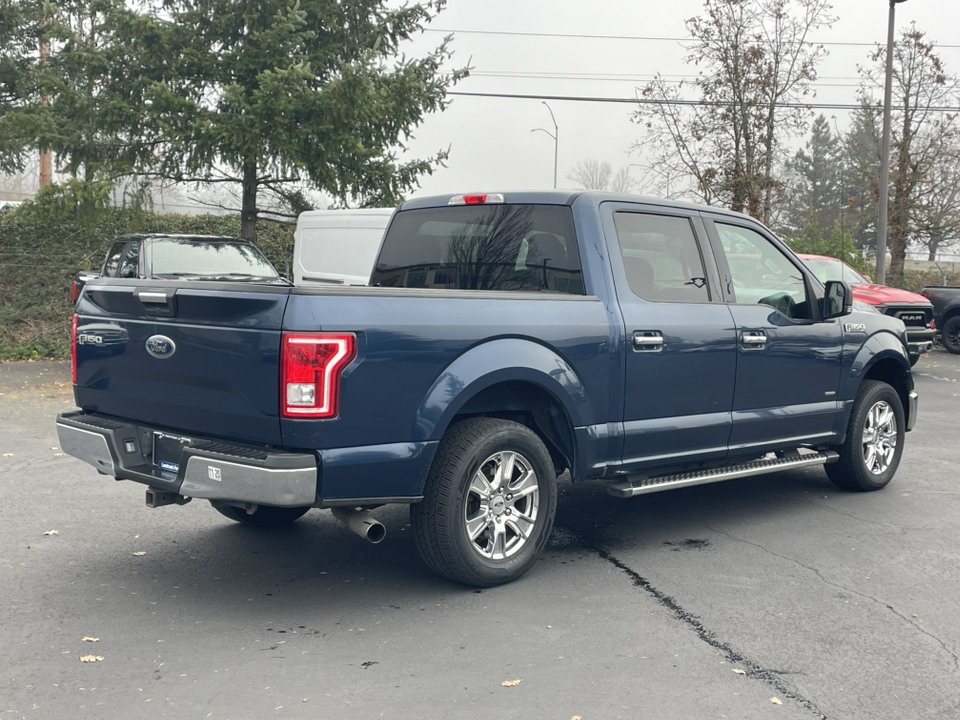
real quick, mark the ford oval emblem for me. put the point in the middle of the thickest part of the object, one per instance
(160, 346)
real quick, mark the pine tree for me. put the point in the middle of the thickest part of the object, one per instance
(279, 92)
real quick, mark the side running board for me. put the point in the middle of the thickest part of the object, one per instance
(642, 485)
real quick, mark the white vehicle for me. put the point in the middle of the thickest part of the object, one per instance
(337, 247)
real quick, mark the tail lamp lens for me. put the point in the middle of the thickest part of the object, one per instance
(312, 364)
(73, 351)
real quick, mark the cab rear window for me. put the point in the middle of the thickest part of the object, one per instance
(493, 247)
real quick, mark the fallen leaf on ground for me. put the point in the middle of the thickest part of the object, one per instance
(738, 671)
(549, 627)
(8, 454)
(87, 638)
(776, 701)
(577, 717)
(52, 532)
(140, 553)
(511, 683)
(91, 658)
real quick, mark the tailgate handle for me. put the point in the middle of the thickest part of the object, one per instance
(152, 297)
(161, 304)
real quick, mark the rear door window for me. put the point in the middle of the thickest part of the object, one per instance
(491, 247)
(661, 257)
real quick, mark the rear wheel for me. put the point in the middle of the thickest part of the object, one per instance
(488, 504)
(951, 334)
(263, 516)
(871, 451)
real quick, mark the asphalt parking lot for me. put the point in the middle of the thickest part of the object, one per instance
(767, 597)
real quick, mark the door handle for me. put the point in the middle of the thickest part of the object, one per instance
(754, 339)
(647, 341)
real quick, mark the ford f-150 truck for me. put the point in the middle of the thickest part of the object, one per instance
(504, 339)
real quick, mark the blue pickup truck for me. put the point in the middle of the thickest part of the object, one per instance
(504, 338)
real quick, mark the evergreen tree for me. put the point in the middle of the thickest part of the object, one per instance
(818, 196)
(268, 94)
(21, 33)
(861, 174)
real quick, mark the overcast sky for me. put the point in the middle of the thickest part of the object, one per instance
(491, 144)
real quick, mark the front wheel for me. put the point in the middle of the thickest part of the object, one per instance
(488, 505)
(871, 451)
(264, 516)
(951, 334)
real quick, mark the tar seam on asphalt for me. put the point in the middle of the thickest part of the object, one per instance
(753, 669)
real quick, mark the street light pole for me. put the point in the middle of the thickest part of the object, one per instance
(885, 154)
(556, 141)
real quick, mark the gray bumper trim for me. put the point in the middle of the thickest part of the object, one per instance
(221, 480)
(913, 406)
(91, 447)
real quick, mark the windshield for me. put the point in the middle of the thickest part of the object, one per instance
(217, 258)
(829, 269)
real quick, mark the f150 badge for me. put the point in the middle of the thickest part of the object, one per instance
(160, 346)
(855, 327)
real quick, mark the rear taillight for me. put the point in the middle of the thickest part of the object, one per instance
(311, 366)
(73, 351)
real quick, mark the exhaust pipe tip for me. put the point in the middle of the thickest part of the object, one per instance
(362, 523)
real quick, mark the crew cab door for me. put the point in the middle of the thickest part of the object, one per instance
(788, 359)
(680, 347)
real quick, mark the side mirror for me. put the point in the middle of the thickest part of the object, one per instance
(837, 299)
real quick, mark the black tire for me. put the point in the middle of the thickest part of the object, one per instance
(264, 516)
(858, 468)
(950, 332)
(465, 493)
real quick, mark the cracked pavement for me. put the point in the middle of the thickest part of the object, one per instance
(706, 602)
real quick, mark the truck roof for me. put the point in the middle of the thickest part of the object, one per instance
(567, 197)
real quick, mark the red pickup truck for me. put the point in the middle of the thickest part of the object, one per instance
(914, 310)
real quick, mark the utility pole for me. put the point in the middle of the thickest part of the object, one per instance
(46, 157)
(885, 154)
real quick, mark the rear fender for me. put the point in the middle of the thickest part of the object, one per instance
(484, 366)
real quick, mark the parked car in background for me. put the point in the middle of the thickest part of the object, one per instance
(185, 257)
(946, 314)
(337, 247)
(914, 310)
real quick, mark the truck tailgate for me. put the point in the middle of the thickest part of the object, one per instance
(196, 359)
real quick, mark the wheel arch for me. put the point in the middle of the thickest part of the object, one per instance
(539, 389)
(882, 357)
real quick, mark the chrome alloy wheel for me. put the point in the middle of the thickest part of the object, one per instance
(879, 437)
(501, 506)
